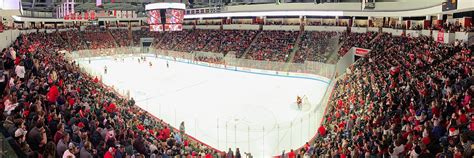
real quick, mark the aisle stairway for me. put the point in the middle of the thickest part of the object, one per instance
(115, 41)
(376, 37)
(332, 59)
(162, 37)
(296, 47)
(335, 56)
(255, 39)
(130, 37)
(66, 38)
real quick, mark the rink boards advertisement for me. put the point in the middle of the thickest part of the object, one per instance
(248, 70)
(241, 69)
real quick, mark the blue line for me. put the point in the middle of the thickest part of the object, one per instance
(258, 73)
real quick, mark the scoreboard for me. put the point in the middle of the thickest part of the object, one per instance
(165, 16)
(450, 5)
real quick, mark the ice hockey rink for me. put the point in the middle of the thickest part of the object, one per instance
(222, 108)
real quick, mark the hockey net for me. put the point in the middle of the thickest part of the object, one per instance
(305, 104)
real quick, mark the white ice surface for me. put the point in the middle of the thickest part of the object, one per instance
(221, 108)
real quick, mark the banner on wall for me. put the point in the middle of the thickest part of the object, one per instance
(86, 15)
(92, 15)
(72, 16)
(361, 52)
(78, 16)
(440, 36)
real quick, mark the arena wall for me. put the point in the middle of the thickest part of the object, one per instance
(413, 33)
(359, 29)
(282, 27)
(385, 6)
(326, 28)
(250, 70)
(241, 27)
(188, 27)
(7, 37)
(208, 27)
(464, 36)
(373, 29)
(395, 32)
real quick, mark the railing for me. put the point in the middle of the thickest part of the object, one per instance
(37, 14)
(6, 143)
(208, 54)
(285, 134)
(88, 53)
(118, 54)
(204, 10)
(308, 67)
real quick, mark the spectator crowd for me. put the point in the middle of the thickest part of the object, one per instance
(99, 39)
(273, 45)
(315, 46)
(121, 36)
(52, 109)
(410, 97)
(350, 39)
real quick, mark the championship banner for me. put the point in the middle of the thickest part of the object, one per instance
(118, 14)
(79, 16)
(361, 52)
(92, 15)
(1, 24)
(128, 14)
(440, 36)
(98, 3)
(86, 16)
(72, 16)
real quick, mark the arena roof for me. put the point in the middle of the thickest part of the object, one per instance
(242, 8)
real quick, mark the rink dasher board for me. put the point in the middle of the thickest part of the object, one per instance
(231, 68)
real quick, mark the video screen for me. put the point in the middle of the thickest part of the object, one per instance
(154, 17)
(174, 16)
(158, 28)
(173, 27)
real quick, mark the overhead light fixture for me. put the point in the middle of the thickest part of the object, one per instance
(267, 13)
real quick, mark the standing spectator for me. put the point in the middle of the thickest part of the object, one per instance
(29, 65)
(70, 153)
(61, 147)
(110, 153)
(230, 154)
(37, 136)
(20, 71)
(181, 128)
(248, 155)
(237, 153)
(3, 78)
(291, 154)
(50, 150)
(121, 152)
(10, 57)
(85, 151)
(59, 133)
